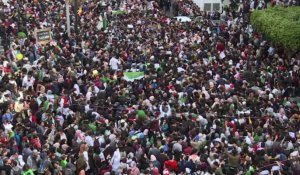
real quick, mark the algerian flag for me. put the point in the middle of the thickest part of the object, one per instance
(131, 76)
(100, 23)
(105, 23)
(119, 12)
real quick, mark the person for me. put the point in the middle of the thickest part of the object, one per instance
(115, 160)
(81, 164)
(114, 63)
(233, 161)
(16, 169)
(27, 170)
(32, 161)
(134, 169)
(120, 92)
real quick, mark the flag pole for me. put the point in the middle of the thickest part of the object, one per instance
(76, 15)
(68, 16)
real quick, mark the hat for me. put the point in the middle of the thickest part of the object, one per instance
(35, 151)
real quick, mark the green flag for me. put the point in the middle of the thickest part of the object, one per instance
(22, 35)
(105, 23)
(119, 12)
(131, 76)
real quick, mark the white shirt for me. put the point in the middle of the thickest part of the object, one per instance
(77, 91)
(114, 63)
(60, 119)
(63, 136)
(7, 127)
(86, 108)
(27, 82)
(86, 157)
(2, 75)
(88, 95)
(101, 140)
(89, 141)
(50, 97)
(265, 172)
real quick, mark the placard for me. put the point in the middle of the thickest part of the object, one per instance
(43, 36)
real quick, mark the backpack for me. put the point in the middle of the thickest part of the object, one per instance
(41, 169)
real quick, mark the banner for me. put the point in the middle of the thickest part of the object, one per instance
(43, 36)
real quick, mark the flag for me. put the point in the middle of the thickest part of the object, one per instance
(119, 12)
(22, 35)
(105, 23)
(100, 23)
(131, 76)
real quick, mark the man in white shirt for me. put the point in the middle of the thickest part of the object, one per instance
(28, 81)
(89, 140)
(114, 63)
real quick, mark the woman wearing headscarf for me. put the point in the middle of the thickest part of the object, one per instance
(81, 165)
(115, 160)
(134, 170)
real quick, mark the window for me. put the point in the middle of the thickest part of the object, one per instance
(216, 6)
(207, 7)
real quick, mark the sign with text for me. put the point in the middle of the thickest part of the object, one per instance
(43, 36)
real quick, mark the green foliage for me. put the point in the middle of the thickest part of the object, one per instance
(281, 25)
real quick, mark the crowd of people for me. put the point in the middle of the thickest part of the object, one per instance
(187, 8)
(214, 98)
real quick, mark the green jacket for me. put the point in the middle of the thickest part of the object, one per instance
(28, 172)
(234, 161)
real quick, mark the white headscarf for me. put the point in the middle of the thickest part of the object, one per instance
(115, 160)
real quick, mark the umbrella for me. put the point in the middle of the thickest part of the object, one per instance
(22, 35)
(119, 12)
(183, 19)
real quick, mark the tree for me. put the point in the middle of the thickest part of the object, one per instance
(280, 24)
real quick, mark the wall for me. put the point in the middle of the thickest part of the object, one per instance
(201, 3)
